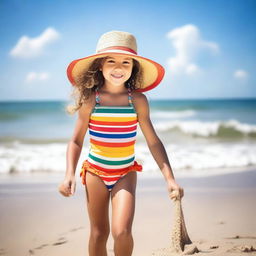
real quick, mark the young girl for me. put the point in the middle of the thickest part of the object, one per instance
(110, 102)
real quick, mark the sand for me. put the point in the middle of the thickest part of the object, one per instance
(219, 212)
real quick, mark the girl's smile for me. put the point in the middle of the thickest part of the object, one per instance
(117, 76)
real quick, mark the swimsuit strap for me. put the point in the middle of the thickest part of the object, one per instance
(97, 96)
(130, 96)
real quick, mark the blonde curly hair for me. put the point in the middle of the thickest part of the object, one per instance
(92, 79)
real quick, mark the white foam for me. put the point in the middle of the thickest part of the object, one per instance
(189, 158)
(201, 159)
(29, 158)
(205, 129)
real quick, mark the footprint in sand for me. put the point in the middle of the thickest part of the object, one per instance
(61, 240)
(31, 252)
(2, 251)
(75, 229)
(41, 246)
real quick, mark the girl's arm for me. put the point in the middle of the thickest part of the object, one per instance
(155, 145)
(74, 148)
(76, 142)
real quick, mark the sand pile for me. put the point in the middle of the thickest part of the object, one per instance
(181, 244)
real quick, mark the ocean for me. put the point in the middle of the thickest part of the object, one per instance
(201, 137)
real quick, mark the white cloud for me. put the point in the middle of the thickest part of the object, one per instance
(36, 76)
(241, 74)
(32, 47)
(187, 42)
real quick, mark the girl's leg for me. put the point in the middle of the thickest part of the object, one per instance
(98, 206)
(123, 206)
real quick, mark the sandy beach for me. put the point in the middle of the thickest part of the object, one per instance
(219, 214)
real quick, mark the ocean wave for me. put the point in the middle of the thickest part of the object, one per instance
(201, 159)
(222, 129)
(195, 158)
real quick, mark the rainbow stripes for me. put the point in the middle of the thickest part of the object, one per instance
(112, 132)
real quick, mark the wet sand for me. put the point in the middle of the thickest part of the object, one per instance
(219, 214)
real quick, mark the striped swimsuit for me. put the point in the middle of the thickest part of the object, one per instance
(112, 132)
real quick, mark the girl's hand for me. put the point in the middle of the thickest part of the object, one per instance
(68, 186)
(175, 191)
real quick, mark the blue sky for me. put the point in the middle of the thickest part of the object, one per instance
(207, 47)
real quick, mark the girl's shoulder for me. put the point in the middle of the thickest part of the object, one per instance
(88, 104)
(140, 102)
(139, 98)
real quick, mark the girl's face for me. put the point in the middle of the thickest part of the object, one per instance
(117, 69)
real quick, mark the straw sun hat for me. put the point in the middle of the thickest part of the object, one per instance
(124, 43)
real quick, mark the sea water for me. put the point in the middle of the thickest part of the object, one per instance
(201, 137)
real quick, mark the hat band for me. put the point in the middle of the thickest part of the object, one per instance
(119, 48)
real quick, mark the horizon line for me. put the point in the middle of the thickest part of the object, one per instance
(162, 99)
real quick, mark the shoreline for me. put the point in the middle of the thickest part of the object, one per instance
(55, 177)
